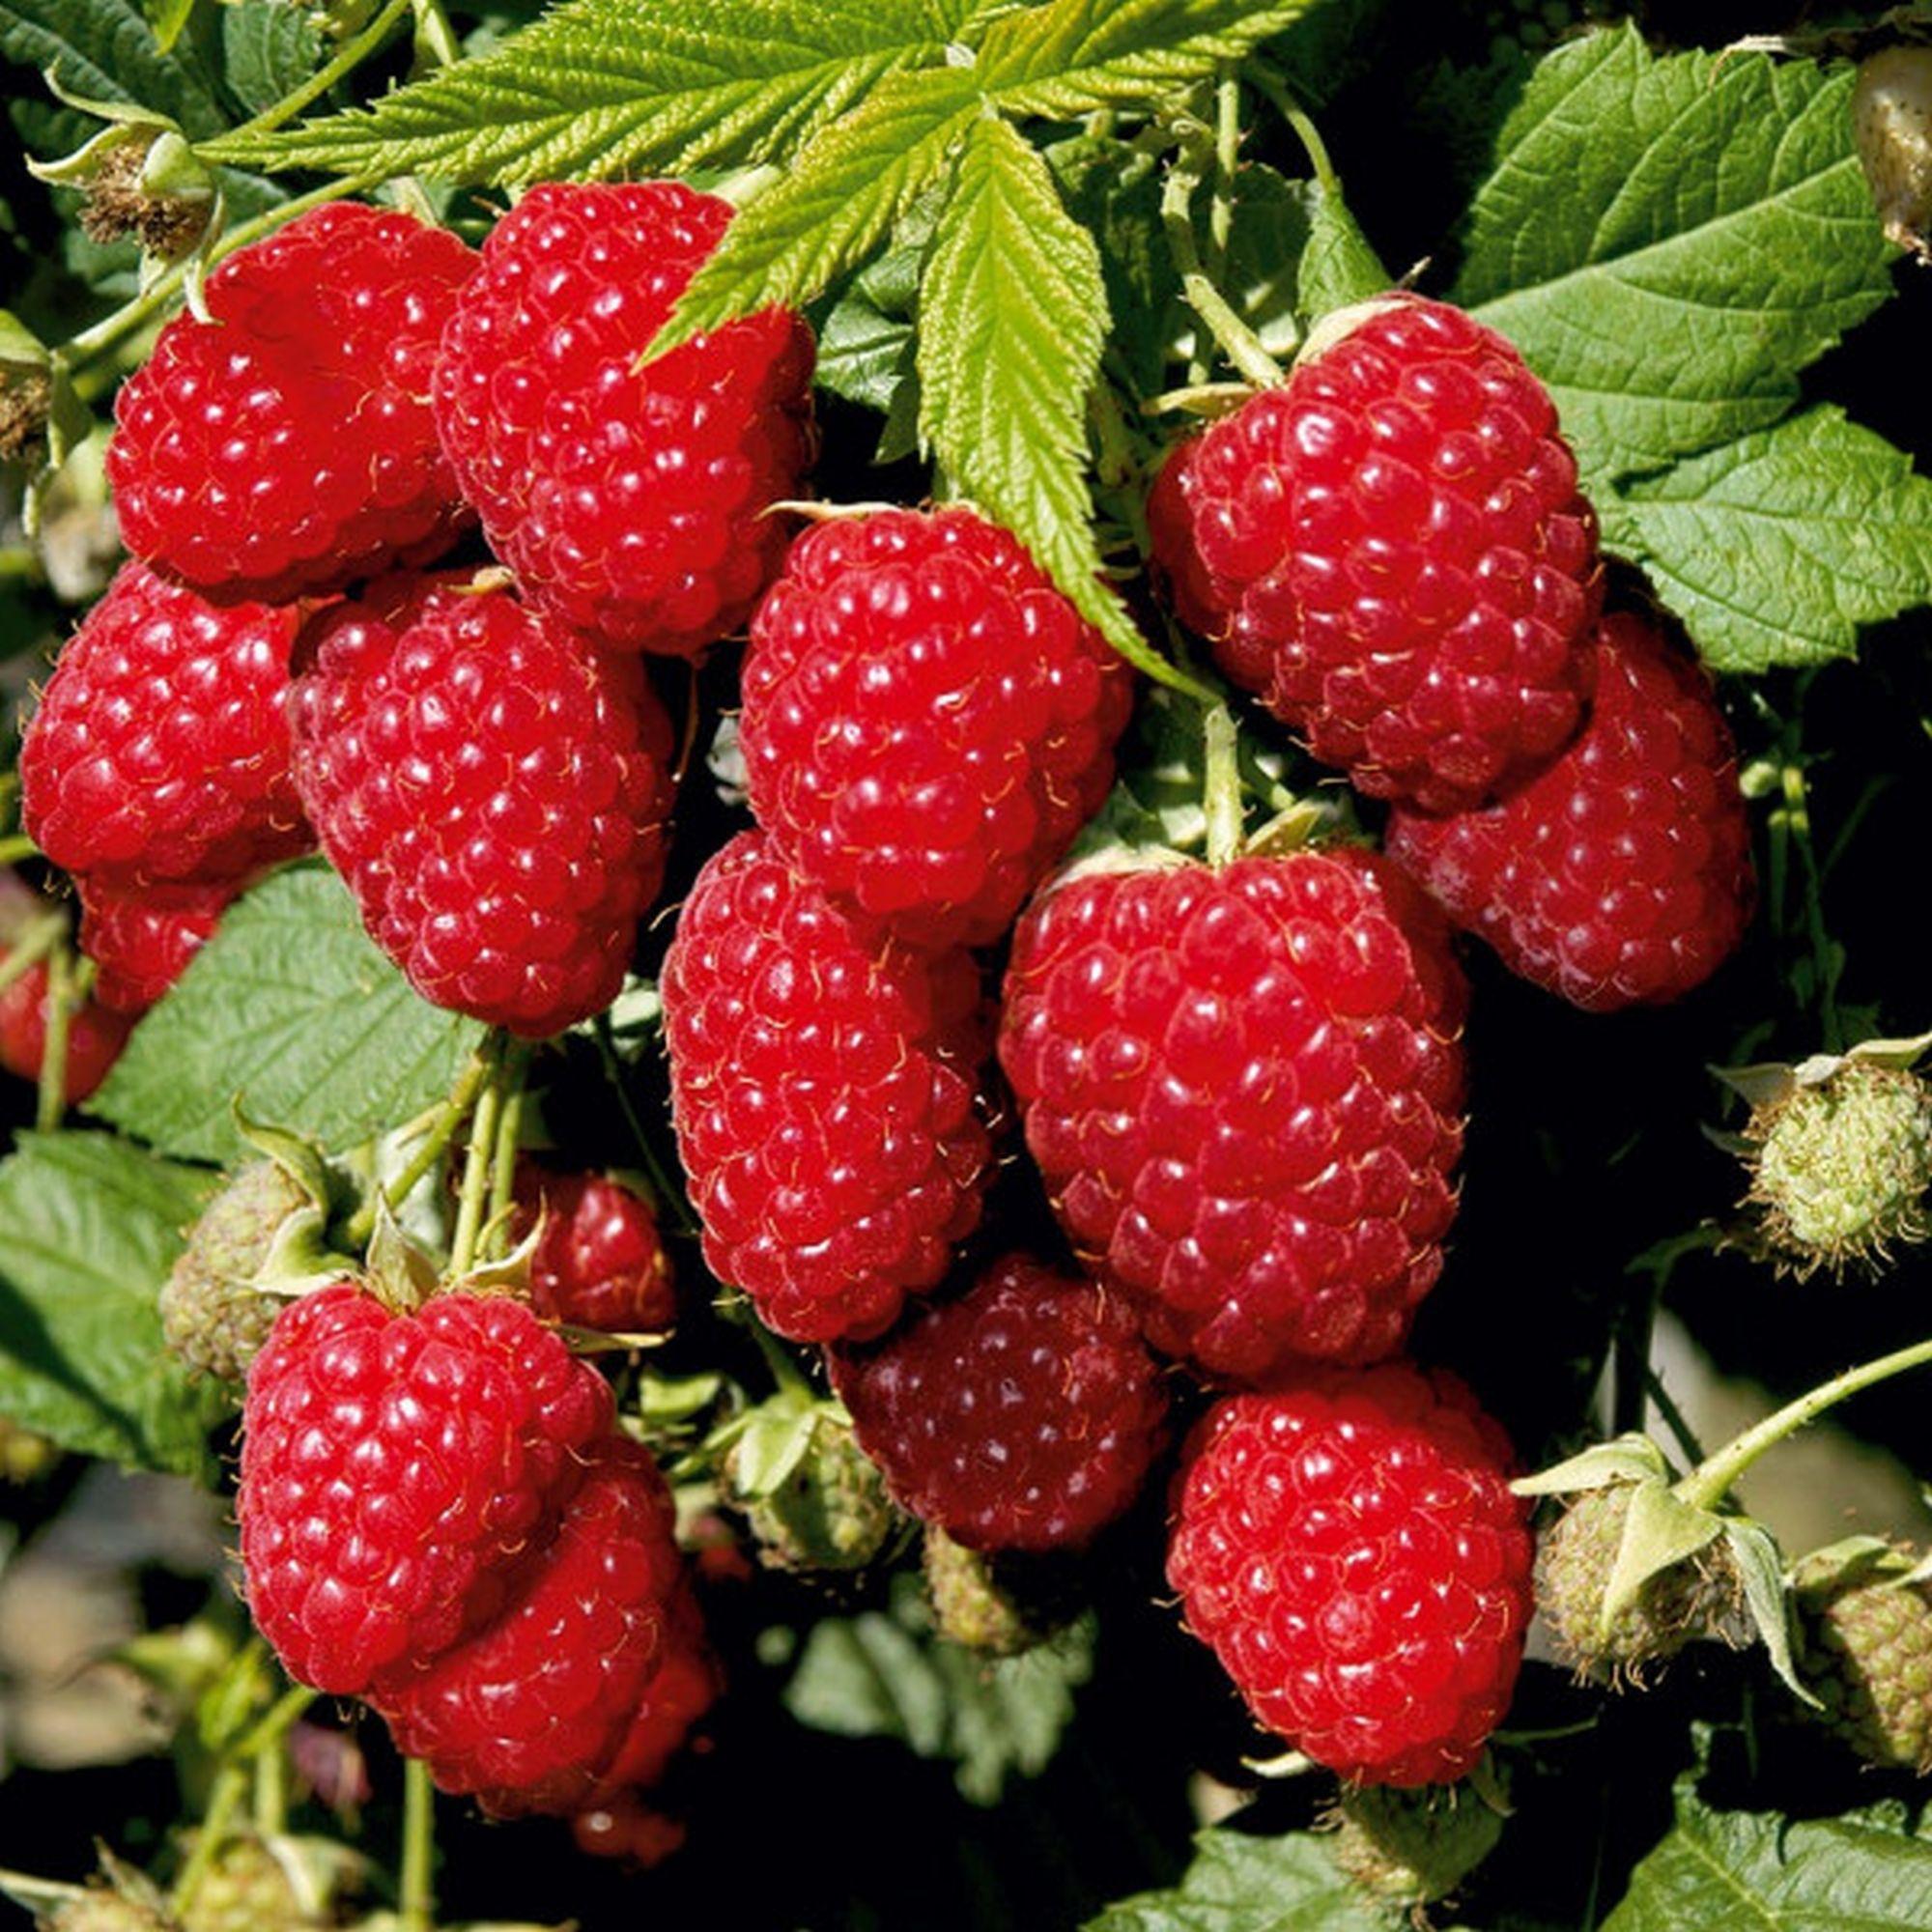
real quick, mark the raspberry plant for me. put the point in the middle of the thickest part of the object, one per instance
(867, 878)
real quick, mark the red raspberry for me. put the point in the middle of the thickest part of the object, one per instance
(493, 788)
(528, 1712)
(1243, 1088)
(1185, 580)
(291, 448)
(159, 753)
(632, 505)
(1623, 873)
(599, 1261)
(823, 1087)
(95, 1034)
(624, 1829)
(141, 941)
(684, 1687)
(1348, 1546)
(1392, 549)
(927, 721)
(1024, 1415)
(392, 1464)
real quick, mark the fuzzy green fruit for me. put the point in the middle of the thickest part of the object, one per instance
(214, 1315)
(831, 1512)
(108, 1912)
(1839, 1168)
(1408, 1849)
(1892, 122)
(1864, 1650)
(975, 1604)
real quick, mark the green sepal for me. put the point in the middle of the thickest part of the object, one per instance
(770, 1442)
(1629, 1459)
(20, 348)
(1661, 1530)
(1760, 1569)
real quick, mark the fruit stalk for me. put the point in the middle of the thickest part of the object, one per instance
(63, 996)
(437, 1137)
(231, 1785)
(479, 1163)
(366, 42)
(1243, 347)
(415, 1894)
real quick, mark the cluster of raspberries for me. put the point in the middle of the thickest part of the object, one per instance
(1242, 1084)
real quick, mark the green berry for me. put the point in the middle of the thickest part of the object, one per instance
(1839, 1167)
(1408, 1849)
(999, 1607)
(1864, 1650)
(1891, 121)
(108, 1912)
(213, 1313)
(1694, 1598)
(24, 1455)
(831, 1512)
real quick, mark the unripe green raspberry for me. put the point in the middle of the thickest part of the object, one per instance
(1891, 121)
(24, 1455)
(975, 1605)
(247, 1889)
(831, 1512)
(1408, 1849)
(108, 1912)
(1839, 1167)
(1864, 1650)
(1696, 1598)
(212, 1314)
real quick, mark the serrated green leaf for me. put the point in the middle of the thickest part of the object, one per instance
(105, 49)
(886, 1675)
(1074, 57)
(168, 18)
(1238, 1883)
(1759, 1871)
(853, 181)
(91, 1226)
(605, 88)
(1339, 267)
(1773, 550)
(1012, 319)
(864, 353)
(1712, 236)
(289, 1012)
(1113, 191)
(267, 49)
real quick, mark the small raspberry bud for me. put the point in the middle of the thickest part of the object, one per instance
(983, 1602)
(250, 1888)
(1839, 1165)
(1409, 1848)
(214, 1315)
(829, 1512)
(600, 1261)
(1864, 1650)
(123, 197)
(26, 400)
(1891, 121)
(24, 1457)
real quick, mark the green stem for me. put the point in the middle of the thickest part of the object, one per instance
(1674, 1420)
(231, 1786)
(1242, 345)
(785, 1371)
(478, 1163)
(415, 1893)
(51, 1101)
(441, 1130)
(509, 1133)
(351, 56)
(1290, 110)
(15, 847)
(436, 45)
(271, 1793)
(277, 1722)
(1718, 1474)
(1227, 159)
(1221, 785)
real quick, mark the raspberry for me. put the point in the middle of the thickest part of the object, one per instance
(1621, 875)
(248, 1888)
(830, 1510)
(1348, 1546)
(1184, 579)
(493, 791)
(683, 1687)
(1405, 1849)
(1891, 118)
(142, 938)
(1024, 1415)
(1392, 550)
(1243, 1088)
(1840, 1166)
(599, 1262)
(530, 1712)
(823, 1089)
(291, 448)
(388, 1465)
(95, 1034)
(1864, 1650)
(159, 753)
(630, 504)
(215, 1317)
(100, 1911)
(981, 1604)
(927, 721)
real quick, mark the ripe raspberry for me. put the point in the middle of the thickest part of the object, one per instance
(683, 1687)
(1622, 874)
(631, 505)
(214, 1315)
(1840, 1166)
(390, 1462)
(1243, 1089)
(1864, 1650)
(927, 721)
(1685, 1600)
(94, 1036)
(159, 753)
(1024, 1415)
(1395, 538)
(600, 1261)
(1185, 580)
(1348, 1545)
(290, 448)
(142, 938)
(493, 791)
(823, 1087)
(527, 1713)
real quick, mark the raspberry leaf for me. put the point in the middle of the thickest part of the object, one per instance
(1713, 237)
(601, 88)
(1238, 1882)
(93, 1225)
(290, 1011)
(1774, 549)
